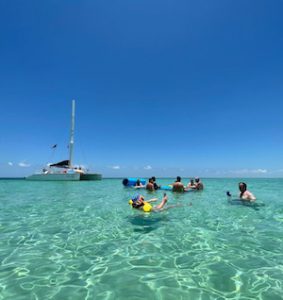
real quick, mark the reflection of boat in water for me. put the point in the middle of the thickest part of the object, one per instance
(64, 170)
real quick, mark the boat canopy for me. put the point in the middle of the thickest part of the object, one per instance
(61, 164)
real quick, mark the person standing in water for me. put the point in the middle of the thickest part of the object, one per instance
(156, 186)
(244, 195)
(191, 185)
(150, 185)
(199, 184)
(178, 185)
(138, 184)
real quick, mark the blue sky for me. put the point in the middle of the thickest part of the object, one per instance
(162, 88)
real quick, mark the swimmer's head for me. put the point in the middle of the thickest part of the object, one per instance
(135, 198)
(178, 179)
(242, 186)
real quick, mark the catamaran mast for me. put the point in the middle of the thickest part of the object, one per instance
(71, 145)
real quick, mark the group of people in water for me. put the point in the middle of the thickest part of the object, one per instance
(139, 202)
(194, 184)
(177, 185)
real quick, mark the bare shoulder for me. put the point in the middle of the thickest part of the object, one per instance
(249, 196)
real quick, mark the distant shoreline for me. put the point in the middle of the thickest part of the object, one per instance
(12, 178)
(203, 178)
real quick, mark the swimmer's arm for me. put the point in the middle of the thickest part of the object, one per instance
(250, 197)
(189, 188)
(151, 200)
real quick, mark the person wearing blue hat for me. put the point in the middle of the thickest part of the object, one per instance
(139, 202)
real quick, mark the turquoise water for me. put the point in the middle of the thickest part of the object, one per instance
(81, 240)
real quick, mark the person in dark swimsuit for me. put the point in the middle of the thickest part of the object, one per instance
(156, 186)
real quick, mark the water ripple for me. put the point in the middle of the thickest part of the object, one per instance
(82, 241)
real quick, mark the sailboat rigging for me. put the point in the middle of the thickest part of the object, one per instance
(64, 170)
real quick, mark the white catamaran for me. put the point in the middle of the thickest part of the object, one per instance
(64, 170)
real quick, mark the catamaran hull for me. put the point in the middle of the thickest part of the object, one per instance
(91, 176)
(54, 177)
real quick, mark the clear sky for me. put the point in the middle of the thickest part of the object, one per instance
(162, 88)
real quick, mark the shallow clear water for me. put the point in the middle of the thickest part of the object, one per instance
(81, 240)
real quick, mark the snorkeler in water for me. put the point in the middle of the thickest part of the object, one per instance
(138, 202)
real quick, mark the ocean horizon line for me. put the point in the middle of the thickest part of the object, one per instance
(165, 177)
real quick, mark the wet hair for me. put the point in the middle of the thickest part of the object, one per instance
(244, 184)
(153, 178)
(245, 187)
(178, 179)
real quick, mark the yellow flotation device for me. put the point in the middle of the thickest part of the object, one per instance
(146, 207)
